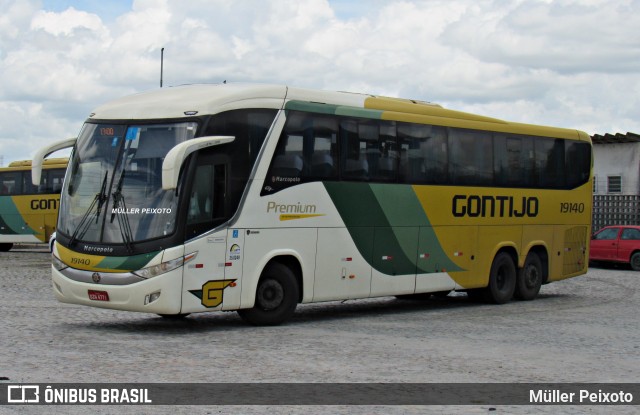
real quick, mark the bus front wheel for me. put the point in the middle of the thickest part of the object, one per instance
(276, 297)
(502, 279)
(529, 278)
(4, 247)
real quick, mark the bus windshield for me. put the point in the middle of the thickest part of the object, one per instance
(114, 191)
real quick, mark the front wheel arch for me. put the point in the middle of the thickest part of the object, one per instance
(276, 297)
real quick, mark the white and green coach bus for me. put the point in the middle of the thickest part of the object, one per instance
(258, 197)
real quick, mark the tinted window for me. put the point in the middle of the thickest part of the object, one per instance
(549, 155)
(470, 157)
(577, 162)
(513, 161)
(327, 147)
(353, 141)
(370, 150)
(307, 150)
(250, 128)
(11, 183)
(423, 153)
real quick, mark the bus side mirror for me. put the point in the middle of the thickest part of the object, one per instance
(38, 158)
(176, 156)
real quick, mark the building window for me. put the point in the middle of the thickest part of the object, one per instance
(595, 184)
(614, 184)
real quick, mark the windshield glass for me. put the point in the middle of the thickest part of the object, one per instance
(113, 192)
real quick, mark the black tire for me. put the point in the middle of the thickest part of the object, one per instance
(502, 279)
(276, 297)
(5, 247)
(529, 278)
(635, 261)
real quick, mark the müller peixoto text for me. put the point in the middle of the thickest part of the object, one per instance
(583, 396)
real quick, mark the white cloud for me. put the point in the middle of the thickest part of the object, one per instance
(567, 37)
(574, 63)
(65, 23)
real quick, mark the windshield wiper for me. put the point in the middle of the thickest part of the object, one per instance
(99, 200)
(121, 214)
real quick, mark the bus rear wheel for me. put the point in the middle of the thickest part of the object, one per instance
(502, 279)
(529, 278)
(5, 247)
(276, 297)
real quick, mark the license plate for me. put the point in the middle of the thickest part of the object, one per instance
(98, 295)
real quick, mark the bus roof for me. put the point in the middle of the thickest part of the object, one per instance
(48, 163)
(201, 99)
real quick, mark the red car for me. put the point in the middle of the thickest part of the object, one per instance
(617, 244)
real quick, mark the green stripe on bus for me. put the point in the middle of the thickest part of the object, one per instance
(331, 109)
(389, 227)
(15, 223)
(128, 263)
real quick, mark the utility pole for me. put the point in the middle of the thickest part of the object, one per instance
(161, 65)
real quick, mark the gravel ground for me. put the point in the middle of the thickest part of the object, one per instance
(580, 330)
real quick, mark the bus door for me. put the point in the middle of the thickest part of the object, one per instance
(210, 276)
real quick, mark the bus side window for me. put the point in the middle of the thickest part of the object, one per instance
(470, 157)
(28, 187)
(577, 163)
(355, 165)
(289, 162)
(307, 151)
(550, 171)
(10, 183)
(206, 202)
(513, 161)
(56, 177)
(378, 149)
(423, 153)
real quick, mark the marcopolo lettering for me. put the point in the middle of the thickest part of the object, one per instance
(475, 206)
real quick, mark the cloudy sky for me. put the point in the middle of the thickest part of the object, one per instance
(570, 63)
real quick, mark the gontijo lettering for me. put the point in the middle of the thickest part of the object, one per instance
(44, 204)
(494, 206)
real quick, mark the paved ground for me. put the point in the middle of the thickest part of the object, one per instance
(580, 330)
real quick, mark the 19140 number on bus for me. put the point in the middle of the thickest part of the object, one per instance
(567, 207)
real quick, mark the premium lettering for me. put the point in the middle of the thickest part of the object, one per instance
(297, 208)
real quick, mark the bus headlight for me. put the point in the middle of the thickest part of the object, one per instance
(167, 266)
(57, 263)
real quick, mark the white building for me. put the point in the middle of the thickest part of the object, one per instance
(616, 189)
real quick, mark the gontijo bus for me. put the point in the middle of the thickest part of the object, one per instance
(28, 212)
(256, 198)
